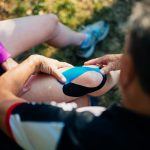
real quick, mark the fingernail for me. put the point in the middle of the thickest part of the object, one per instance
(63, 79)
(102, 71)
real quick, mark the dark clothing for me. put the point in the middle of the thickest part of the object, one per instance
(7, 143)
(115, 129)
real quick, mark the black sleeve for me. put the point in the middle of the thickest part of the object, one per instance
(46, 126)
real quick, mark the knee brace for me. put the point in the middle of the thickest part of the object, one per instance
(76, 90)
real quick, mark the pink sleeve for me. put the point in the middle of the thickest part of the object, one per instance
(4, 55)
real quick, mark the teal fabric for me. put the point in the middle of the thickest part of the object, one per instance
(75, 72)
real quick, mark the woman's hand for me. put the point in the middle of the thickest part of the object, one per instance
(108, 63)
(49, 66)
(40, 64)
(14, 79)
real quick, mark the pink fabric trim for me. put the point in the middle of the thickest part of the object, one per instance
(4, 55)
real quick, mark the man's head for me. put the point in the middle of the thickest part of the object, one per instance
(135, 74)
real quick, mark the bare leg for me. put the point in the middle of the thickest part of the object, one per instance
(45, 88)
(65, 36)
(82, 101)
(19, 35)
(112, 80)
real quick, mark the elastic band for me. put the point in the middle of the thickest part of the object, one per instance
(76, 90)
(4, 55)
(74, 72)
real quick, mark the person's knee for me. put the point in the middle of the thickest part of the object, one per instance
(50, 22)
(82, 80)
(89, 79)
(93, 79)
(52, 18)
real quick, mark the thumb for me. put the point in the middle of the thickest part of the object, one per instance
(58, 75)
(107, 68)
(92, 61)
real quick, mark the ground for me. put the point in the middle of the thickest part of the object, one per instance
(76, 14)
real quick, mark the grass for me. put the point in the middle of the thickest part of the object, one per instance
(76, 14)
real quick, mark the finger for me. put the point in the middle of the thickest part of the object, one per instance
(100, 65)
(9, 64)
(64, 64)
(105, 70)
(91, 62)
(58, 75)
(108, 68)
(94, 61)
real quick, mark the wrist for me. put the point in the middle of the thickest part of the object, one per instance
(34, 62)
(4, 55)
(9, 64)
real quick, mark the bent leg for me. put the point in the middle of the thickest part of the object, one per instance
(64, 36)
(112, 80)
(45, 88)
(21, 34)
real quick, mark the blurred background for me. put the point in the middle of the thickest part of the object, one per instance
(76, 14)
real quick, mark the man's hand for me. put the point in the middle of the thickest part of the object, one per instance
(108, 63)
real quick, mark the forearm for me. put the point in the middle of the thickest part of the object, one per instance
(9, 64)
(13, 80)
